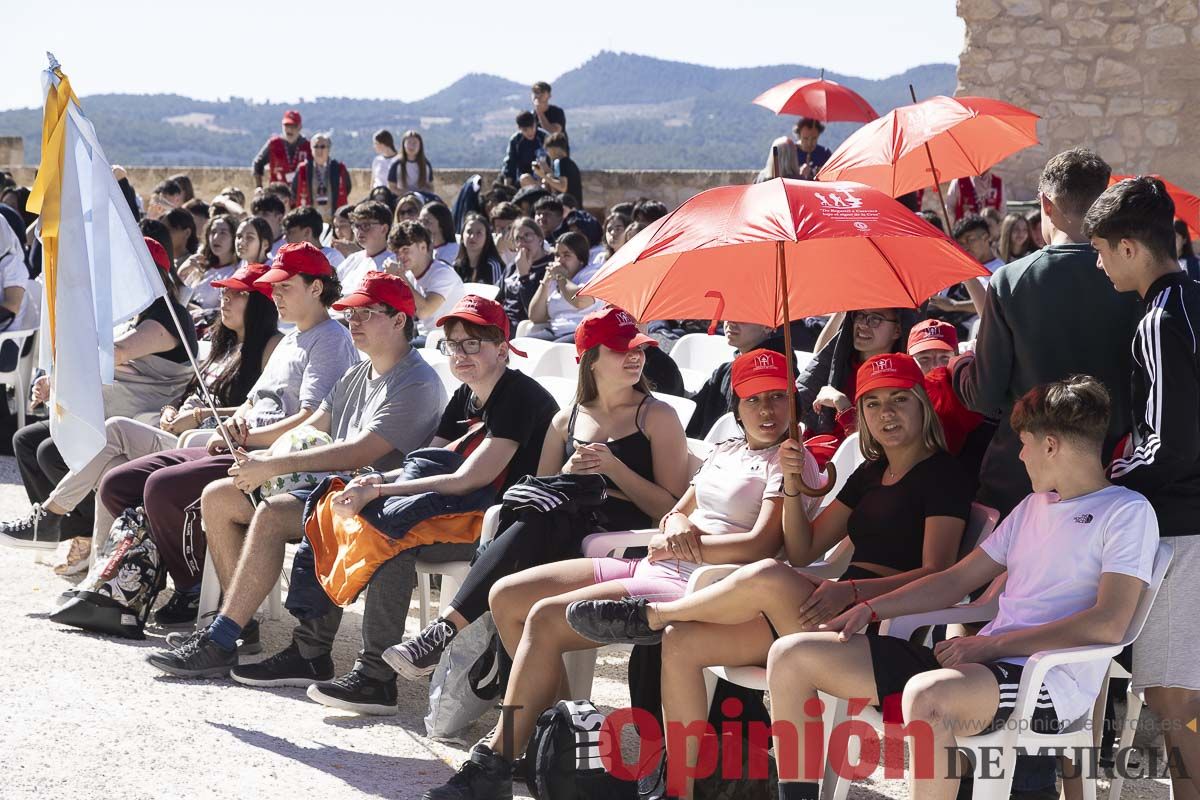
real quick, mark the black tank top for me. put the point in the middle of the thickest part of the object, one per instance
(633, 450)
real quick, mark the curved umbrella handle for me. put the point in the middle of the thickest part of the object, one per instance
(824, 489)
(720, 312)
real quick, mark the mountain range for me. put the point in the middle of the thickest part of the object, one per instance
(624, 111)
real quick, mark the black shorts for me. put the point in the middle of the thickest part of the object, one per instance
(852, 573)
(895, 661)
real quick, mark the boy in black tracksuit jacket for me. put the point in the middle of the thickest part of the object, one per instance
(1131, 226)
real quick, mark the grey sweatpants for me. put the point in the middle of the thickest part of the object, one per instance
(389, 593)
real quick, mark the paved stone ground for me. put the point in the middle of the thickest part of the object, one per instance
(83, 716)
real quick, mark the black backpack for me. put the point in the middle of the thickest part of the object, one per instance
(563, 760)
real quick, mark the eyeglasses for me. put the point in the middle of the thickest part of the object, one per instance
(364, 226)
(361, 314)
(452, 347)
(872, 321)
(320, 147)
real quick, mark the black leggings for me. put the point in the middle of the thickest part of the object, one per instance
(529, 543)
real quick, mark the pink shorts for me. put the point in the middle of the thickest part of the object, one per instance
(660, 581)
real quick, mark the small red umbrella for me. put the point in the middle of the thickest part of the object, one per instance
(964, 136)
(1187, 205)
(817, 98)
(735, 252)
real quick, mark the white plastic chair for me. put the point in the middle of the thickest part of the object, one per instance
(683, 407)
(725, 427)
(453, 572)
(702, 352)
(693, 379)
(533, 350)
(1009, 738)
(561, 389)
(488, 291)
(847, 459)
(21, 376)
(802, 359)
(433, 337)
(442, 368)
(558, 361)
(210, 595)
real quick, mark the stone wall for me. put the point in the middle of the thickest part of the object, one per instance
(602, 188)
(12, 150)
(1120, 76)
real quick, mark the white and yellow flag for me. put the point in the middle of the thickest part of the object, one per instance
(95, 265)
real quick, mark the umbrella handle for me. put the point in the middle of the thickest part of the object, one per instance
(823, 489)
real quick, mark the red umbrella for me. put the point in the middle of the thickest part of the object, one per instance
(735, 251)
(1187, 205)
(964, 136)
(817, 98)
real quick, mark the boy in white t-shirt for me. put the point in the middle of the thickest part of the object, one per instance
(1079, 551)
(436, 287)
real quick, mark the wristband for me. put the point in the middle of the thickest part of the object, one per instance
(854, 586)
(874, 616)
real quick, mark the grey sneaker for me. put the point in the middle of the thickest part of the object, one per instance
(419, 656)
(199, 657)
(613, 621)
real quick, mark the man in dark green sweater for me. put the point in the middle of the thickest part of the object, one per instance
(1048, 315)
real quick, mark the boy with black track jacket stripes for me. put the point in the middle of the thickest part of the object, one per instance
(1130, 225)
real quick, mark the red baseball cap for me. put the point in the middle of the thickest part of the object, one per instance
(932, 334)
(380, 287)
(291, 117)
(158, 254)
(244, 280)
(758, 371)
(481, 311)
(612, 327)
(889, 371)
(300, 258)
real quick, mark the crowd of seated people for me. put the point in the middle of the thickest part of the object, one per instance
(1072, 410)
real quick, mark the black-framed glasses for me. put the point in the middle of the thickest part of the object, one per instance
(469, 347)
(871, 319)
(364, 226)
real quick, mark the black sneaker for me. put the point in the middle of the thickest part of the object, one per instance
(199, 657)
(37, 530)
(249, 643)
(179, 610)
(486, 776)
(358, 693)
(613, 621)
(419, 656)
(285, 668)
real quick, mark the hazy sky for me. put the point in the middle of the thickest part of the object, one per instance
(286, 49)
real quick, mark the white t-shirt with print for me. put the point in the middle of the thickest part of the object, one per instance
(565, 317)
(735, 480)
(1055, 552)
(441, 279)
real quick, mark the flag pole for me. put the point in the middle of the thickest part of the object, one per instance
(205, 395)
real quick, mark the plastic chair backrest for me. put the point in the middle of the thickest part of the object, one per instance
(702, 352)
(533, 350)
(557, 362)
(683, 407)
(1162, 560)
(487, 291)
(448, 380)
(980, 524)
(433, 337)
(725, 427)
(802, 359)
(847, 459)
(561, 389)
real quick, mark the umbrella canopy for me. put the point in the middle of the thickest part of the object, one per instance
(965, 136)
(817, 98)
(844, 246)
(1187, 205)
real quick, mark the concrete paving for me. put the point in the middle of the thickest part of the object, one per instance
(83, 716)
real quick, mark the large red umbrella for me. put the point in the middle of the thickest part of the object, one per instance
(817, 98)
(964, 136)
(1187, 205)
(735, 252)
